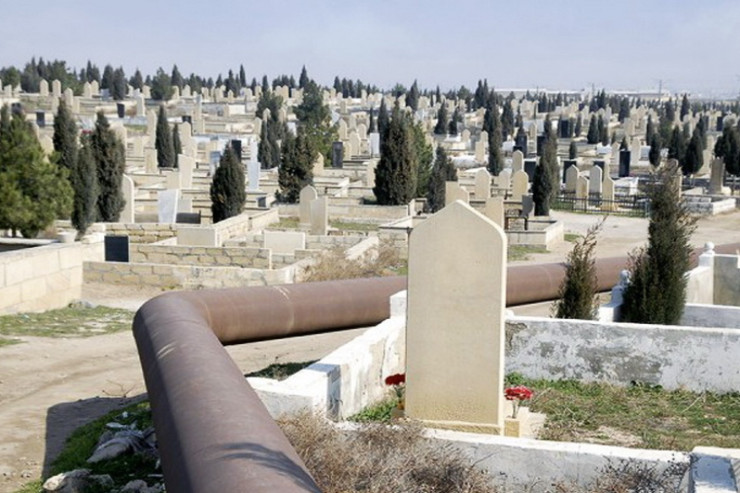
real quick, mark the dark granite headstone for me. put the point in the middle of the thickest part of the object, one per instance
(624, 163)
(540, 144)
(567, 164)
(337, 154)
(564, 126)
(521, 142)
(41, 118)
(720, 125)
(116, 248)
(187, 119)
(188, 218)
(529, 166)
(236, 145)
(121, 108)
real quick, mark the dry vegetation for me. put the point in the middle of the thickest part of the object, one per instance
(379, 458)
(383, 260)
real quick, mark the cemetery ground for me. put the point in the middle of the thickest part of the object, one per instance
(49, 386)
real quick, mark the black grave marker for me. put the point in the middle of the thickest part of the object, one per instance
(116, 248)
(624, 163)
(337, 154)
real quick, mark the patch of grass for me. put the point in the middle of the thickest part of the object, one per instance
(352, 226)
(571, 237)
(641, 415)
(522, 252)
(136, 128)
(280, 371)
(32, 487)
(287, 223)
(72, 321)
(380, 412)
(8, 342)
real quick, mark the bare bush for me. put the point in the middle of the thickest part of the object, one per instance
(382, 260)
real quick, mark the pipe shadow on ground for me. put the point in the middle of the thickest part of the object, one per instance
(64, 418)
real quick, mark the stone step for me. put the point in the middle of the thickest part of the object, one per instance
(713, 470)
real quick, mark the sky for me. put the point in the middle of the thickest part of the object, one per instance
(689, 45)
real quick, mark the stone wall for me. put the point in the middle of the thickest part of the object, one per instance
(142, 232)
(675, 357)
(44, 277)
(540, 233)
(256, 258)
(250, 220)
(313, 242)
(708, 206)
(377, 214)
(187, 276)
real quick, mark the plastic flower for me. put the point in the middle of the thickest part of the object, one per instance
(517, 394)
(397, 381)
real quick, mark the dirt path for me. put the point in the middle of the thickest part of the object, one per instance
(49, 387)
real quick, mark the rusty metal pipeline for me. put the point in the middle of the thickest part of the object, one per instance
(214, 433)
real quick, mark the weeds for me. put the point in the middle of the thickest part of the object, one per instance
(280, 371)
(383, 260)
(73, 321)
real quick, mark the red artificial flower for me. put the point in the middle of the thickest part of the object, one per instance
(518, 393)
(397, 379)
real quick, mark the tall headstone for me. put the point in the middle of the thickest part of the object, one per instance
(308, 194)
(453, 192)
(480, 147)
(253, 175)
(44, 88)
(482, 184)
(568, 163)
(455, 329)
(320, 216)
(635, 147)
(56, 89)
(318, 165)
(186, 165)
(353, 147)
(495, 210)
(595, 180)
(127, 187)
(517, 161)
(530, 165)
(374, 144)
(717, 176)
(503, 180)
(519, 185)
(370, 173)
(167, 205)
(337, 154)
(571, 179)
(582, 188)
(624, 163)
(608, 195)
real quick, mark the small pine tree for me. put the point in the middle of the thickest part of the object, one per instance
(110, 162)
(579, 126)
(85, 184)
(677, 146)
(228, 187)
(383, 120)
(452, 126)
(372, 127)
(163, 141)
(694, 158)
(495, 159)
(578, 293)
(442, 172)
(656, 292)
(176, 144)
(603, 131)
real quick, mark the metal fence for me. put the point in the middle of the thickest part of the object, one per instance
(622, 205)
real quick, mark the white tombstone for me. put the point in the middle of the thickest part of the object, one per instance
(582, 188)
(320, 216)
(44, 88)
(455, 329)
(150, 159)
(595, 180)
(95, 88)
(635, 147)
(253, 175)
(56, 89)
(284, 242)
(453, 192)
(167, 205)
(482, 184)
(140, 105)
(716, 179)
(186, 165)
(308, 194)
(86, 90)
(495, 210)
(519, 185)
(503, 180)
(127, 187)
(342, 131)
(607, 195)
(571, 179)
(318, 165)
(370, 173)
(374, 144)
(517, 161)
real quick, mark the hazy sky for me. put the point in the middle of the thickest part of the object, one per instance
(621, 44)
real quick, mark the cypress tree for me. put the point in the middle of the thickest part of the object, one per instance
(694, 159)
(163, 141)
(227, 188)
(507, 118)
(656, 292)
(176, 144)
(372, 127)
(383, 120)
(110, 162)
(452, 126)
(572, 150)
(303, 78)
(442, 172)
(85, 184)
(579, 126)
(592, 137)
(578, 293)
(441, 127)
(495, 160)
(65, 136)
(677, 146)
(424, 157)
(685, 107)
(33, 191)
(655, 148)
(545, 181)
(395, 176)
(650, 129)
(412, 97)
(603, 131)
(296, 169)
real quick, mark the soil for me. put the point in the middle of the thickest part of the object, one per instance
(49, 387)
